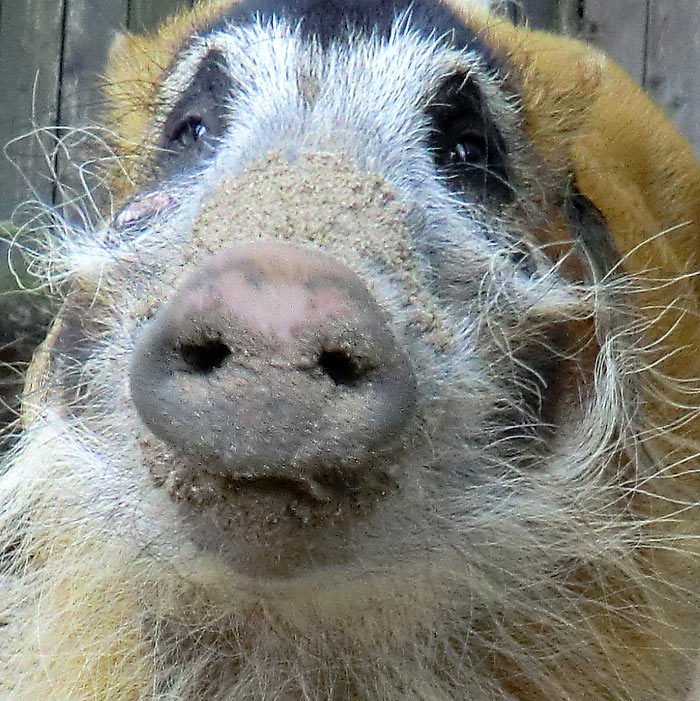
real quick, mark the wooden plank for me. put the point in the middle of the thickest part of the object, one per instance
(30, 44)
(557, 15)
(673, 62)
(540, 14)
(148, 14)
(84, 57)
(569, 17)
(620, 28)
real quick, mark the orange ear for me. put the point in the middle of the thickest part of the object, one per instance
(644, 177)
(585, 115)
(130, 82)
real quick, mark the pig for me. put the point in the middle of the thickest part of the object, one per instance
(379, 382)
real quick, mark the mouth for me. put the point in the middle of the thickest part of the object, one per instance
(205, 488)
(268, 526)
(319, 490)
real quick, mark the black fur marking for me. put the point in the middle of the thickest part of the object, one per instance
(539, 382)
(468, 148)
(71, 351)
(328, 21)
(590, 230)
(198, 119)
(541, 367)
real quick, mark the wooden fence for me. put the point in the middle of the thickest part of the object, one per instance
(51, 52)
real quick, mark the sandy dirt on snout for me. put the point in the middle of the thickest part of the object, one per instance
(324, 200)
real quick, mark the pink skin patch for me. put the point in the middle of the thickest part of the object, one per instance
(276, 290)
(142, 207)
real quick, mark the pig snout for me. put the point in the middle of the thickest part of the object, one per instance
(273, 362)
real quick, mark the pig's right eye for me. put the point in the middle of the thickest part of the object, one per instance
(198, 120)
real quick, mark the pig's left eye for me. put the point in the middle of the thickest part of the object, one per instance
(189, 132)
(466, 144)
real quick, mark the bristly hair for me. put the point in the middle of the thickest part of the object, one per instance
(575, 581)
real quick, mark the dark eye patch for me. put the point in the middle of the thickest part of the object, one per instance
(592, 234)
(468, 148)
(198, 120)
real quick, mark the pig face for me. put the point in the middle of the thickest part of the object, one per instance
(354, 344)
(327, 305)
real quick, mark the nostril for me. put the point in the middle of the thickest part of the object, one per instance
(270, 362)
(206, 356)
(342, 368)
